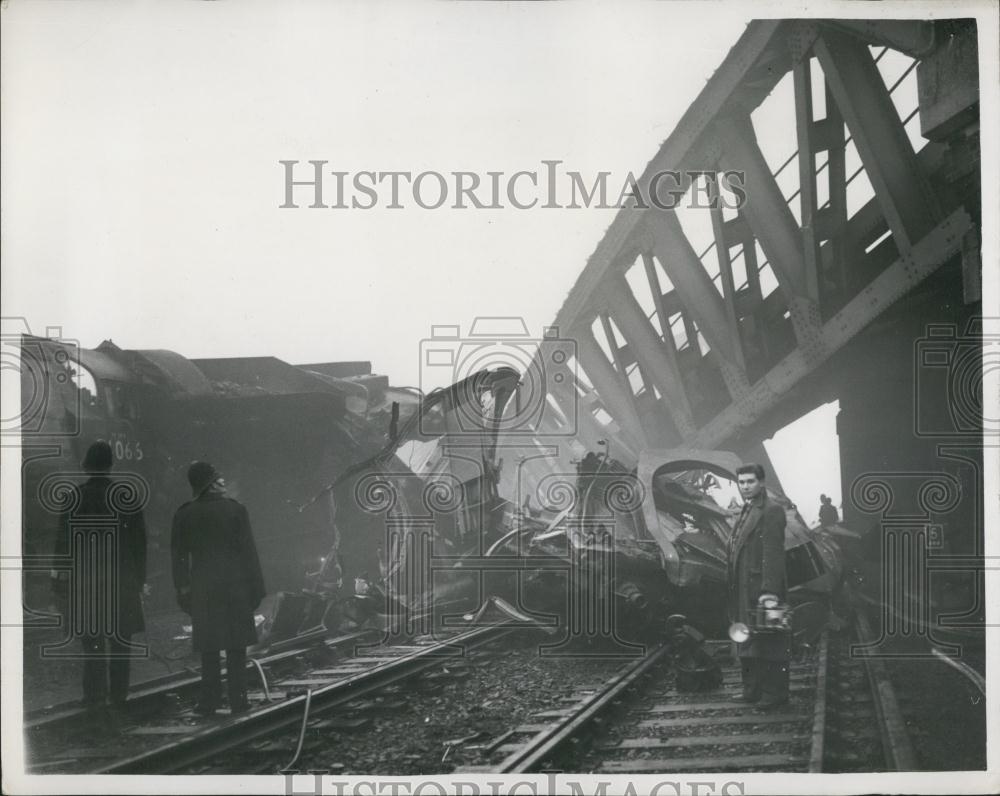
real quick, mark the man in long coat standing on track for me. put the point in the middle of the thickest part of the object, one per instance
(103, 535)
(219, 582)
(757, 578)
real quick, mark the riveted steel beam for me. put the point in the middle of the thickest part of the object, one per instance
(912, 37)
(577, 400)
(656, 358)
(835, 230)
(688, 276)
(807, 174)
(684, 146)
(616, 353)
(618, 402)
(766, 210)
(898, 279)
(651, 424)
(581, 422)
(662, 312)
(861, 96)
(728, 284)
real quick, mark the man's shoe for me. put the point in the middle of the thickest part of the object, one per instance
(747, 697)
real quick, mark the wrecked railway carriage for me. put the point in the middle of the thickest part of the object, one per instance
(370, 503)
(457, 510)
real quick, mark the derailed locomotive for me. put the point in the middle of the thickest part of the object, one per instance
(277, 431)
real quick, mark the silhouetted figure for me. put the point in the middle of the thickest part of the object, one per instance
(219, 582)
(105, 524)
(827, 511)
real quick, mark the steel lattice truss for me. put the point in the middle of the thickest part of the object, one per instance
(685, 344)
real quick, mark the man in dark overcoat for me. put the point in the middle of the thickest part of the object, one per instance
(828, 514)
(103, 538)
(219, 582)
(757, 578)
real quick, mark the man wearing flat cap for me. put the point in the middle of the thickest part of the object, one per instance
(219, 582)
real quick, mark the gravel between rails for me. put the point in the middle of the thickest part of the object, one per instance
(495, 690)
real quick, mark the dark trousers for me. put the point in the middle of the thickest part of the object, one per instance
(764, 679)
(104, 655)
(236, 677)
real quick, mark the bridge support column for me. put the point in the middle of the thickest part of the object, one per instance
(905, 461)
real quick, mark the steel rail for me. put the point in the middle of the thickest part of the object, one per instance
(157, 686)
(219, 739)
(546, 743)
(927, 624)
(818, 750)
(962, 668)
(896, 744)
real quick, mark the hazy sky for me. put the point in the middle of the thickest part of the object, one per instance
(141, 183)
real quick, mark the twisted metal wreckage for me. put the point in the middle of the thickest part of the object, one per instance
(465, 512)
(465, 507)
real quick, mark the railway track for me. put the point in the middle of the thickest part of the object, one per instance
(147, 695)
(161, 734)
(677, 731)
(842, 715)
(638, 722)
